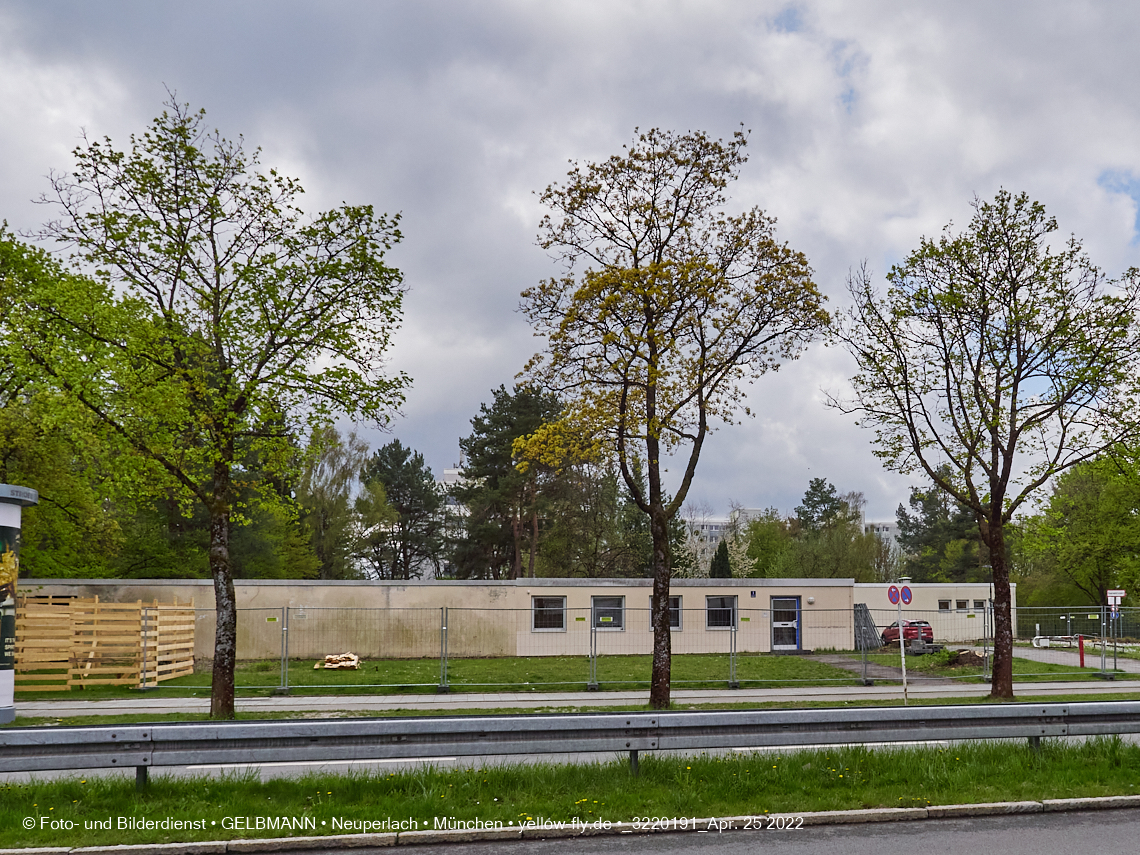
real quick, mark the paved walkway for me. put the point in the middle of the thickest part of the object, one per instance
(155, 704)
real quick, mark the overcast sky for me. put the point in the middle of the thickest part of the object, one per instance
(872, 125)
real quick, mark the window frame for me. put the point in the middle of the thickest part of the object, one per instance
(733, 609)
(597, 610)
(961, 605)
(944, 605)
(535, 609)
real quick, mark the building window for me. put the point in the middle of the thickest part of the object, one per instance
(943, 605)
(549, 613)
(720, 612)
(961, 605)
(608, 612)
(979, 605)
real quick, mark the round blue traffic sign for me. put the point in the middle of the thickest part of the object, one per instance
(906, 596)
(893, 595)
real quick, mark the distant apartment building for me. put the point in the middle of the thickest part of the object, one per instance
(888, 531)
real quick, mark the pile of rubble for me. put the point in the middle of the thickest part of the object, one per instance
(339, 662)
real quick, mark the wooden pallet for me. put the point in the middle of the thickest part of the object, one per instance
(71, 642)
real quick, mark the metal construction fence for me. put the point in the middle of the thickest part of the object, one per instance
(610, 645)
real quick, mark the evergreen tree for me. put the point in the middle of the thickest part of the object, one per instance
(492, 488)
(720, 568)
(413, 544)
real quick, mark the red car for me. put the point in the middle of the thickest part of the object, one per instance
(911, 629)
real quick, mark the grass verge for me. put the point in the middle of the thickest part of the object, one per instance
(87, 811)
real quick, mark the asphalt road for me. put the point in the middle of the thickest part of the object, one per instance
(1115, 832)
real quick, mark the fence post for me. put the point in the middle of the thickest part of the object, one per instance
(987, 622)
(733, 683)
(1104, 675)
(592, 685)
(284, 650)
(444, 687)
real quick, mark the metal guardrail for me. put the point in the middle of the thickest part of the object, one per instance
(142, 746)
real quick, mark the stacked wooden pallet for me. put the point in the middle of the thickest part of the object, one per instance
(68, 642)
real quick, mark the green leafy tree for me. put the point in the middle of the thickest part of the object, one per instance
(678, 304)
(940, 540)
(769, 536)
(1088, 533)
(720, 567)
(83, 475)
(829, 540)
(328, 483)
(997, 359)
(822, 506)
(219, 318)
(414, 543)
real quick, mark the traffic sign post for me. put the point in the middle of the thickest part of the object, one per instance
(896, 597)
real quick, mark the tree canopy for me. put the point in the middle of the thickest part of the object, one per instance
(215, 320)
(668, 305)
(996, 360)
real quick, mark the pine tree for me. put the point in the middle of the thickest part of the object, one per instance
(720, 568)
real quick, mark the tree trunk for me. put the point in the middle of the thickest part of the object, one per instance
(659, 690)
(225, 638)
(533, 540)
(516, 562)
(1002, 686)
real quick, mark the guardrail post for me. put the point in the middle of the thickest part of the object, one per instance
(141, 777)
(592, 684)
(633, 765)
(444, 687)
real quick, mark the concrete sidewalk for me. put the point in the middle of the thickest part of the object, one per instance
(153, 703)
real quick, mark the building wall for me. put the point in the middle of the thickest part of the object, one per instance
(938, 603)
(493, 618)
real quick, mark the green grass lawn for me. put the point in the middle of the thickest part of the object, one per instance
(518, 674)
(699, 786)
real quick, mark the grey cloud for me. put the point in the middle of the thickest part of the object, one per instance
(872, 124)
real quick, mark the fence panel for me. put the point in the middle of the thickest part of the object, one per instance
(43, 644)
(106, 644)
(168, 643)
(548, 645)
(1092, 637)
